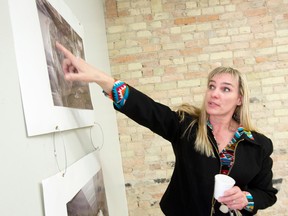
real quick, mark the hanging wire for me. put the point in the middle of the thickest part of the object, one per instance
(91, 138)
(57, 130)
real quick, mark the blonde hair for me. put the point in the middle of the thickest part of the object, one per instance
(241, 113)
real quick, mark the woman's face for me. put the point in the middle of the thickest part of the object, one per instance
(222, 95)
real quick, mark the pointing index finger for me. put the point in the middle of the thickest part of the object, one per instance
(65, 51)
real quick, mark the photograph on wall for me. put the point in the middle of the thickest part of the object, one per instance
(90, 200)
(80, 192)
(50, 103)
(55, 28)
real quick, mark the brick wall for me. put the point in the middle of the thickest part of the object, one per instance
(166, 48)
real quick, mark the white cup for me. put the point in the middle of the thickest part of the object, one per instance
(222, 183)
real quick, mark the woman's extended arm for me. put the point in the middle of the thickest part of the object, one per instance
(76, 68)
(142, 109)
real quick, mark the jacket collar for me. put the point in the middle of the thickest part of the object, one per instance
(241, 133)
(248, 138)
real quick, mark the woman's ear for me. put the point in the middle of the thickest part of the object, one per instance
(239, 102)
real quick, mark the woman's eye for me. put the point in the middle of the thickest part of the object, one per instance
(226, 89)
(211, 87)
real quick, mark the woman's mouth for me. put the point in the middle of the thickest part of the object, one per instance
(213, 104)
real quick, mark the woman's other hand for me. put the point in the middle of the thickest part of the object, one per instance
(234, 198)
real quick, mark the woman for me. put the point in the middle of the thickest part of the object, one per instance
(219, 138)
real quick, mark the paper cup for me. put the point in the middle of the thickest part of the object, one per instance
(222, 183)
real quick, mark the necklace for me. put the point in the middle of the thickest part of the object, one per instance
(231, 128)
(218, 143)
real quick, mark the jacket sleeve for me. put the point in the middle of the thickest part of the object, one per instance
(145, 111)
(261, 188)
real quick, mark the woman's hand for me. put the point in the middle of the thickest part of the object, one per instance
(76, 69)
(234, 198)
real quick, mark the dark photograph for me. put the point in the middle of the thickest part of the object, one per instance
(90, 200)
(55, 28)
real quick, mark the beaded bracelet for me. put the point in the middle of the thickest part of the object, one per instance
(119, 93)
(250, 206)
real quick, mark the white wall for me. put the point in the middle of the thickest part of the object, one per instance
(26, 161)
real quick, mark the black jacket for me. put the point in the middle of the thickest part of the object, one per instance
(190, 191)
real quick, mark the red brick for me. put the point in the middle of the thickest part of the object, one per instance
(185, 21)
(124, 59)
(111, 8)
(256, 12)
(207, 18)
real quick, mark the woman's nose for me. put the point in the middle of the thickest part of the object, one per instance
(215, 93)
